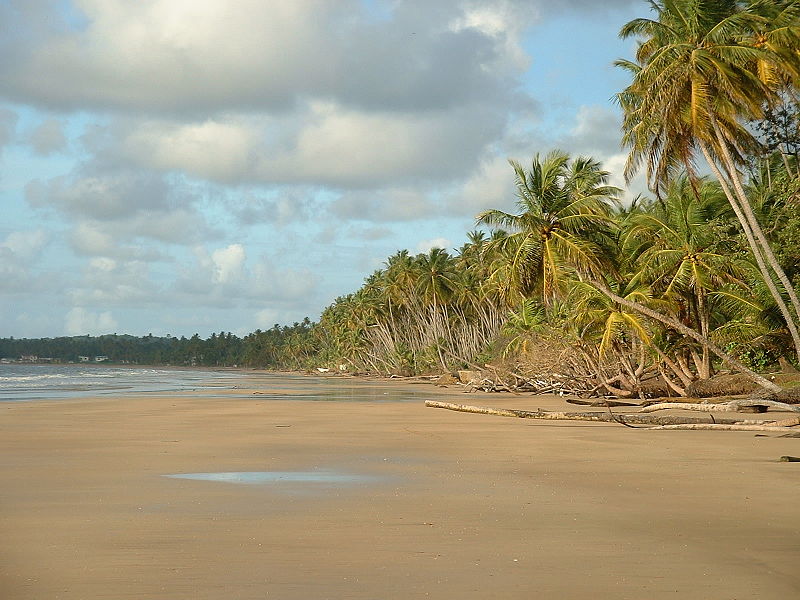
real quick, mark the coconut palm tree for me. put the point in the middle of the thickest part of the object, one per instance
(702, 69)
(679, 247)
(564, 210)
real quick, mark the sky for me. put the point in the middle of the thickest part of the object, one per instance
(195, 166)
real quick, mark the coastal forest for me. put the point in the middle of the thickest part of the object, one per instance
(577, 283)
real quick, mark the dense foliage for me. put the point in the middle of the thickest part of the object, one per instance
(278, 347)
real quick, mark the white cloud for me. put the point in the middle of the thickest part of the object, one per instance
(267, 317)
(109, 282)
(25, 245)
(394, 204)
(223, 277)
(8, 124)
(228, 263)
(212, 149)
(206, 55)
(426, 246)
(318, 143)
(48, 137)
(490, 186)
(80, 321)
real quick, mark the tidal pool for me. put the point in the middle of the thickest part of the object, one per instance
(277, 477)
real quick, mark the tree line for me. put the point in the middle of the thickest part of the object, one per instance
(280, 347)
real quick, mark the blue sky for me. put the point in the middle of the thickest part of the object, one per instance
(180, 167)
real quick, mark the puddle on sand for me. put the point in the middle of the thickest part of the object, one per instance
(270, 477)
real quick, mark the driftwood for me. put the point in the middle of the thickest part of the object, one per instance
(600, 402)
(722, 427)
(598, 417)
(732, 406)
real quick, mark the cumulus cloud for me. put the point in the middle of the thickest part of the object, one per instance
(426, 246)
(317, 143)
(25, 245)
(224, 277)
(111, 282)
(79, 321)
(228, 263)
(19, 252)
(111, 208)
(282, 208)
(8, 125)
(489, 186)
(206, 55)
(398, 204)
(596, 131)
(48, 138)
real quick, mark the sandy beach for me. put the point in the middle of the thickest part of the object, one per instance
(432, 503)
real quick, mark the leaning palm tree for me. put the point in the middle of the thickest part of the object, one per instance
(561, 233)
(680, 248)
(564, 210)
(702, 70)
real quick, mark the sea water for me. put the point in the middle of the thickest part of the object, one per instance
(20, 382)
(43, 381)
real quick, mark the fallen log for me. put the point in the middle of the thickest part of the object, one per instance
(767, 403)
(597, 417)
(732, 406)
(721, 427)
(686, 406)
(600, 402)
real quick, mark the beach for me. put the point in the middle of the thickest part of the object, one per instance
(389, 500)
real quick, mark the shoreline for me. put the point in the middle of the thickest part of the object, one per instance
(460, 505)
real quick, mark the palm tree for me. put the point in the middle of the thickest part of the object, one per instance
(702, 69)
(679, 247)
(564, 209)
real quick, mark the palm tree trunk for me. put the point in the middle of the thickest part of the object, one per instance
(704, 369)
(686, 381)
(687, 331)
(754, 224)
(754, 247)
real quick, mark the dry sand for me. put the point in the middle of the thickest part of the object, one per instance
(463, 506)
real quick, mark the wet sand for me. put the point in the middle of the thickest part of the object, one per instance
(444, 505)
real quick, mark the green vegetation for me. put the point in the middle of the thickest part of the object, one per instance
(664, 290)
(281, 347)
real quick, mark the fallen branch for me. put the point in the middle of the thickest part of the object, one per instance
(722, 427)
(732, 406)
(767, 403)
(600, 402)
(598, 417)
(686, 406)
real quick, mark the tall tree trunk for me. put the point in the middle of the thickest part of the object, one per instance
(755, 248)
(704, 369)
(755, 225)
(687, 331)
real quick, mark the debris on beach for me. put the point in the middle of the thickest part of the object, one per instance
(644, 417)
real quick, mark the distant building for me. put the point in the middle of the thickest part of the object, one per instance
(28, 358)
(83, 359)
(100, 358)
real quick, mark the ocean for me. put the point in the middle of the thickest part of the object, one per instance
(20, 382)
(38, 382)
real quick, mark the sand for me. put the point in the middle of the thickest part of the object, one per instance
(459, 505)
